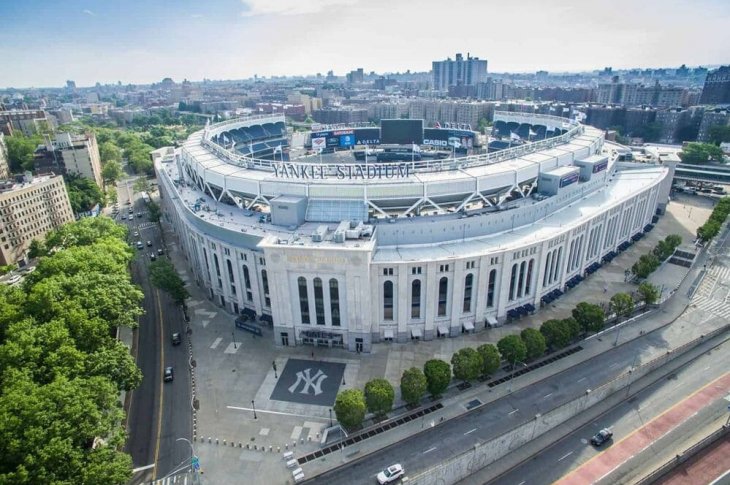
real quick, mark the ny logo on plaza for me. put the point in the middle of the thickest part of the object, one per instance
(310, 381)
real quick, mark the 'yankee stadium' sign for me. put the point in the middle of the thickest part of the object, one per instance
(341, 172)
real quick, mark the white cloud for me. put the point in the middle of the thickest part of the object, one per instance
(196, 16)
(255, 8)
(89, 12)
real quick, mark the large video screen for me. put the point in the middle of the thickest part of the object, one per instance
(401, 132)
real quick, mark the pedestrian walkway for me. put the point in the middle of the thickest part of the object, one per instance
(713, 294)
(606, 462)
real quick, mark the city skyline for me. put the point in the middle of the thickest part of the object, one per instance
(45, 43)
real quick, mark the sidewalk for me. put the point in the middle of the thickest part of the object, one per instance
(234, 373)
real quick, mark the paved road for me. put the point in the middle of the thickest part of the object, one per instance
(625, 419)
(159, 412)
(420, 452)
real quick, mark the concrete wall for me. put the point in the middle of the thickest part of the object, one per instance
(482, 455)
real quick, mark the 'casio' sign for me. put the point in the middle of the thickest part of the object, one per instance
(436, 143)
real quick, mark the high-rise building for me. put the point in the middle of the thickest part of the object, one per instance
(717, 87)
(29, 122)
(68, 153)
(467, 72)
(4, 163)
(356, 77)
(29, 210)
(710, 119)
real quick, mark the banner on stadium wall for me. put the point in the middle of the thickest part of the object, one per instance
(319, 143)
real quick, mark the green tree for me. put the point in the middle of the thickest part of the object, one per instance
(648, 293)
(534, 343)
(708, 230)
(573, 327)
(36, 249)
(467, 364)
(164, 276)
(86, 232)
(379, 396)
(350, 408)
(490, 358)
(413, 386)
(622, 305)
(512, 349)
(651, 131)
(590, 317)
(556, 332)
(83, 193)
(646, 265)
(701, 153)
(719, 134)
(154, 211)
(20, 151)
(141, 185)
(111, 172)
(438, 376)
(109, 152)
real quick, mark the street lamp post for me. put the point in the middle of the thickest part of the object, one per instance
(330, 417)
(512, 376)
(253, 406)
(233, 334)
(273, 364)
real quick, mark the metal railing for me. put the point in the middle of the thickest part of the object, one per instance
(331, 170)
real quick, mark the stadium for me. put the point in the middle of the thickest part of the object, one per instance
(395, 233)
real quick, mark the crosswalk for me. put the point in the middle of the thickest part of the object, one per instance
(180, 479)
(713, 294)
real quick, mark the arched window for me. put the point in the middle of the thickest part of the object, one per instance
(490, 288)
(545, 276)
(521, 285)
(556, 273)
(265, 284)
(443, 291)
(512, 282)
(335, 302)
(319, 301)
(528, 282)
(416, 299)
(230, 271)
(303, 299)
(388, 300)
(468, 283)
(247, 283)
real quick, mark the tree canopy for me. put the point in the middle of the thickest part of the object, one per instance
(648, 293)
(20, 151)
(467, 364)
(438, 376)
(589, 316)
(490, 358)
(61, 369)
(622, 304)
(534, 343)
(350, 408)
(701, 153)
(413, 386)
(83, 193)
(379, 396)
(164, 276)
(512, 348)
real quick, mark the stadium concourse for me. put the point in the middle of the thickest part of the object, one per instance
(352, 252)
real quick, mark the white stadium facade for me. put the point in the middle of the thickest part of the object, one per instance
(350, 253)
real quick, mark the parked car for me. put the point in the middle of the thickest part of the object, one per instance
(135, 234)
(153, 257)
(176, 339)
(159, 251)
(169, 374)
(124, 218)
(139, 214)
(390, 474)
(149, 244)
(602, 437)
(140, 245)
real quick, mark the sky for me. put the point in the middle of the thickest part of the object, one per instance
(45, 42)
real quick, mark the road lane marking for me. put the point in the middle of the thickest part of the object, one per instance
(513, 411)
(216, 342)
(295, 434)
(429, 450)
(470, 431)
(162, 382)
(142, 468)
(547, 395)
(565, 456)
(582, 379)
(232, 348)
(259, 411)
(613, 365)
(522, 482)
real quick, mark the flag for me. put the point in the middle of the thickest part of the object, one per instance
(532, 133)
(437, 125)
(565, 110)
(514, 136)
(233, 144)
(566, 125)
(416, 148)
(277, 149)
(368, 151)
